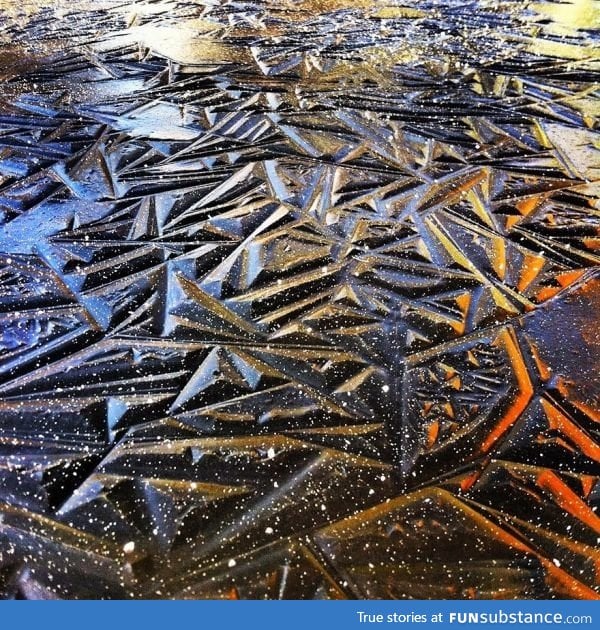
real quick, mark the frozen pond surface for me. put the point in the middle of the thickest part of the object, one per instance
(299, 299)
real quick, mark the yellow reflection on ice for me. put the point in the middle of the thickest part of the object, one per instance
(577, 14)
(567, 19)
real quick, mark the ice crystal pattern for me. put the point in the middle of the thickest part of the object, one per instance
(299, 299)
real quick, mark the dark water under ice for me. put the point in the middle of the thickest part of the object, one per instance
(299, 299)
